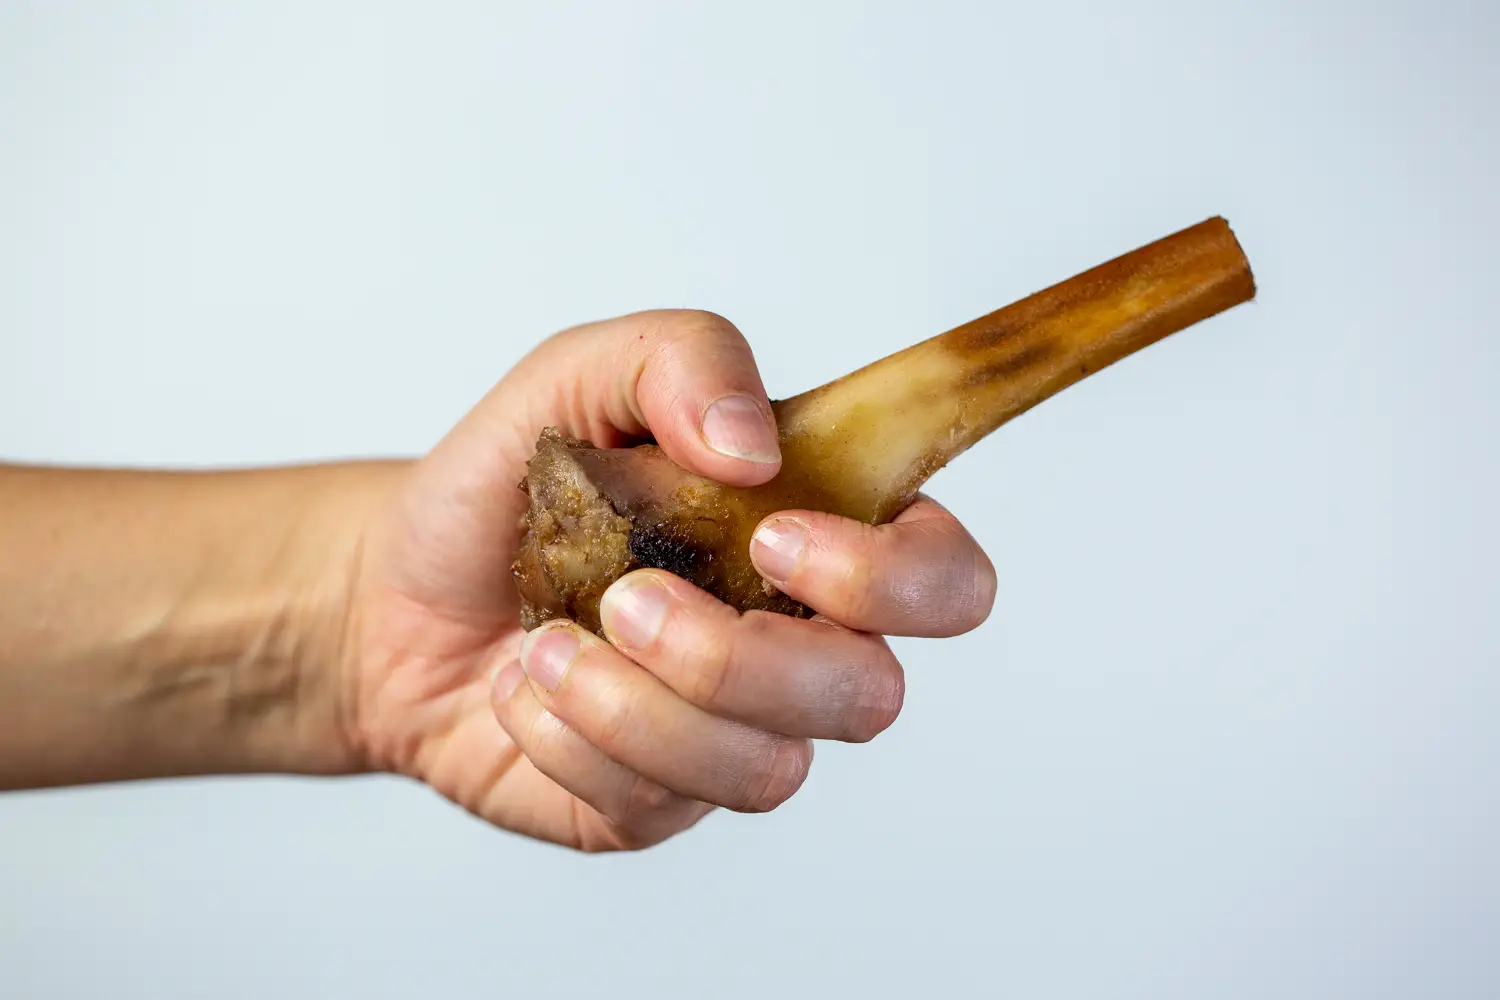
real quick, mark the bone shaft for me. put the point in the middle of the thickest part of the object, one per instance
(899, 420)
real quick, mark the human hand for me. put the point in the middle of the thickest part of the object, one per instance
(690, 704)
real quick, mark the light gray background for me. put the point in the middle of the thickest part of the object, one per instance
(1232, 728)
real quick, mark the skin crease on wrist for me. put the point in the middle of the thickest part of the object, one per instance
(337, 618)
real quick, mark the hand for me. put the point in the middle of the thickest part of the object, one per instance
(690, 705)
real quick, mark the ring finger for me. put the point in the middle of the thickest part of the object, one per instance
(640, 723)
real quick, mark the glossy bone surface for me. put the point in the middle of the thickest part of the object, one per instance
(862, 445)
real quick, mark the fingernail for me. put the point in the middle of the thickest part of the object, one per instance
(776, 547)
(736, 426)
(547, 652)
(633, 610)
(507, 678)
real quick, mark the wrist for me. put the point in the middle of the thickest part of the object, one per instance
(313, 637)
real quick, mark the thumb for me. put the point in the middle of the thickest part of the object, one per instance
(688, 378)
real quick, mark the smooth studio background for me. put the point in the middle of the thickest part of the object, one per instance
(1231, 731)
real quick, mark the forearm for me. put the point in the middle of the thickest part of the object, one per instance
(157, 624)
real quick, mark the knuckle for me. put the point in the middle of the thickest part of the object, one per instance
(861, 586)
(615, 842)
(694, 324)
(646, 828)
(644, 801)
(613, 837)
(711, 672)
(844, 568)
(620, 720)
(542, 733)
(704, 321)
(781, 771)
(545, 736)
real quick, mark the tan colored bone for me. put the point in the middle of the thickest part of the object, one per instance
(862, 445)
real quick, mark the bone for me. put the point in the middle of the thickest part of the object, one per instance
(862, 445)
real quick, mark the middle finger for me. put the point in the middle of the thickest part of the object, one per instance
(811, 679)
(639, 722)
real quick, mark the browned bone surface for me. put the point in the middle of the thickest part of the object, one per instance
(862, 445)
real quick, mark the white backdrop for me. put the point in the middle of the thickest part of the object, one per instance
(1231, 730)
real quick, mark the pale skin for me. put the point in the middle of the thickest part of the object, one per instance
(361, 617)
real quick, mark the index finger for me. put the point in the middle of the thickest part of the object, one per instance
(922, 574)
